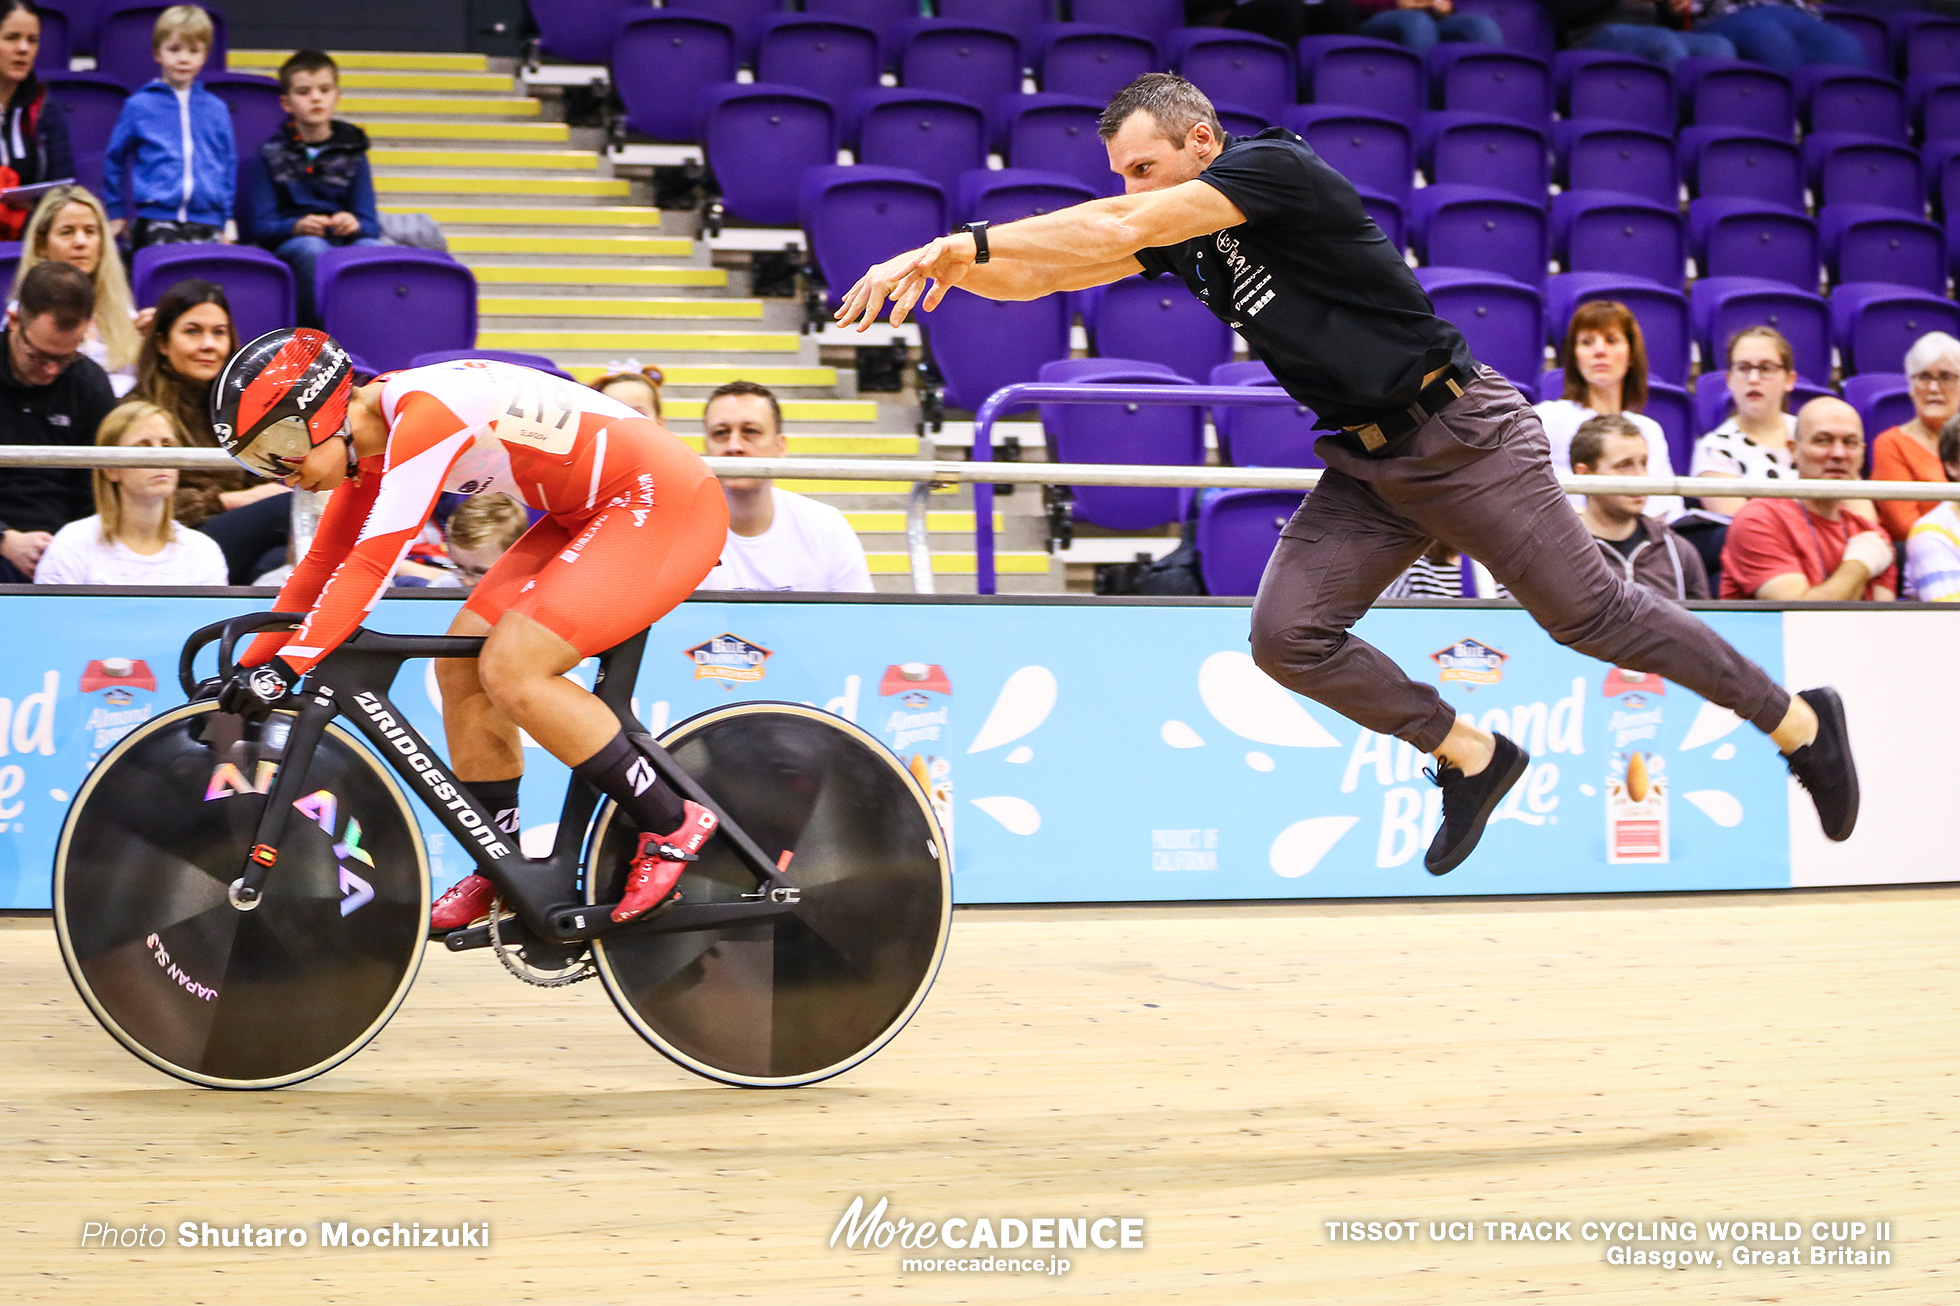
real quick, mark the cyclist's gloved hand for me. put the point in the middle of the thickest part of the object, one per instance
(252, 692)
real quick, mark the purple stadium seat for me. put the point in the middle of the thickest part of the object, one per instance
(92, 104)
(1245, 68)
(1491, 79)
(537, 361)
(662, 61)
(1746, 238)
(390, 304)
(1262, 437)
(941, 136)
(1238, 120)
(1551, 385)
(884, 17)
(980, 345)
(1155, 19)
(823, 56)
(56, 46)
(80, 20)
(1369, 149)
(1940, 166)
(1883, 400)
(1619, 87)
(974, 62)
(1162, 435)
(861, 215)
(1096, 62)
(1841, 167)
(1057, 133)
(1673, 412)
(1610, 231)
(1473, 227)
(1503, 320)
(1237, 533)
(1024, 18)
(1870, 31)
(1924, 42)
(1728, 162)
(122, 42)
(1482, 149)
(1389, 213)
(580, 31)
(9, 261)
(1661, 311)
(1933, 99)
(1714, 403)
(1875, 324)
(1600, 154)
(1722, 306)
(259, 286)
(745, 16)
(759, 137)
(1365, 73)
(1863, 242)
(1010, 194)
(1156, 319)
(1733, 93)
(256, 115)
(1837, 99)
(1526, 24)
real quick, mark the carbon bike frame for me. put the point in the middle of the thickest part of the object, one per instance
(353, 681)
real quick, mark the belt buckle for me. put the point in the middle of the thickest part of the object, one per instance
(1371, 436)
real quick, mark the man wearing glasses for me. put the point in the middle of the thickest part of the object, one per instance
(49, 394)
(1911, 450)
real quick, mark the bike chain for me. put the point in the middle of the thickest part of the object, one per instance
(518, 968)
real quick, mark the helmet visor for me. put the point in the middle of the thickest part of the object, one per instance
(278, 449)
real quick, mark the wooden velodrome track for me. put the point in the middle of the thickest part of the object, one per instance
(1236, 1076)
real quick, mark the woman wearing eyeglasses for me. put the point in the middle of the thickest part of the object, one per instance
(1758, 438)
(1911, 452)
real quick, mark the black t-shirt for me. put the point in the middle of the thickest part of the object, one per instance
(65, 412)
(1312, 284)
(1626, 546)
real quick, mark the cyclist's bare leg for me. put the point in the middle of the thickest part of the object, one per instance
(483, 742)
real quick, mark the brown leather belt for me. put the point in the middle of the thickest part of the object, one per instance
(1439, 394)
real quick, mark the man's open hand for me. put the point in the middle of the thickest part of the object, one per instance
(927, 272)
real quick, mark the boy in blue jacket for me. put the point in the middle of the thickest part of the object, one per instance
(309, 189)
(173, 142)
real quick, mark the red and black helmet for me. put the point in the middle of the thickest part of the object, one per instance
(280, 396)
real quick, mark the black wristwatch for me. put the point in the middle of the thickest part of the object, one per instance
(978, 230)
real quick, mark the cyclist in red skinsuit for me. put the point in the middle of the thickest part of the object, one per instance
(634, 522)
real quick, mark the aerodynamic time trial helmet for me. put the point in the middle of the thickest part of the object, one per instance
(279, 397)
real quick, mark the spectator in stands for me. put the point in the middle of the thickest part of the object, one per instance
(70, 227)
(776, 540)
(134, 537)
(174, 143)
(1650, 29)
(1912, 452)
(1443, 573)
(185, 348)
(1756, 441)
(1784, 34)
(34, 144)
(1285, 21)
(1605, 359)
(1780, 550)
(633, 385)
(50, 393)
(1420, 24)
(480, 531)
(1640, 546)
(309, 189)
(1933, 544)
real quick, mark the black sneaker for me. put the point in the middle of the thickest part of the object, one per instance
(1468, 801)
(1824, 766)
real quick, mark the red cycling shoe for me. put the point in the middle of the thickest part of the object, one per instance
(660, 859)
(467, 902)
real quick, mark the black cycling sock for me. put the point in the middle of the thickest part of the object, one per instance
(619, 772)
(499, 798)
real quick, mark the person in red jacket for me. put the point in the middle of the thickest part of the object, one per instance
(634, 520)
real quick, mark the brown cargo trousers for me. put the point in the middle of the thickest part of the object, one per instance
(1478, 477)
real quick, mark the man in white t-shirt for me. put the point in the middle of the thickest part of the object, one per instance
(776, 540)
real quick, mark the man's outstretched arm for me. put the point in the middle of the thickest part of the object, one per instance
(1084, 245)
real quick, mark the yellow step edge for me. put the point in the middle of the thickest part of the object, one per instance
(504, 106)
(499, 275)
(858, 487)
(722, 374)
(244, 60)
(610, 188)
(485, 83)
(958, 564)
(606, 246)
(595, 306)
(569, 216)
(644, 342)
(874, 522)
(820, 410)
(510, 133)
(384, 156)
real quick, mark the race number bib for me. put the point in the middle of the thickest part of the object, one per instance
(539, 412)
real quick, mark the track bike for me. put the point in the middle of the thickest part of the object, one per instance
(245, 905)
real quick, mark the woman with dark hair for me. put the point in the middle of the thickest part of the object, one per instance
(185, 347)
(33, 131)
(1605, 360)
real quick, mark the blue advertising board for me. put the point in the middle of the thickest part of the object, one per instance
(1078, 752)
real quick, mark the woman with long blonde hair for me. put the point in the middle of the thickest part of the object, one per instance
(69, 226)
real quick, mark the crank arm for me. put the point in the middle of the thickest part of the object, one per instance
(573, 924)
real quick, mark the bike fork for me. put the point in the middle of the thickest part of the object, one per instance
(288, 786)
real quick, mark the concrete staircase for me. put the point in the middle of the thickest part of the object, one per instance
(573, 262)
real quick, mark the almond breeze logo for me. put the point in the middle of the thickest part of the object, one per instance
(1471, 662)
(729, 659)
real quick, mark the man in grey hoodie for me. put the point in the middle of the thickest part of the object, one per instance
(1641, 548)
